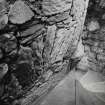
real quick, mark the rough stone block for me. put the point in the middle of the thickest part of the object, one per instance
(55, 6)
(20, 13)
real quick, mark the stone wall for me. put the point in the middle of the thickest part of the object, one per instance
(37, 39)
(93, 38)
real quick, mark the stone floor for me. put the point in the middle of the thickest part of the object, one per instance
(72, 90)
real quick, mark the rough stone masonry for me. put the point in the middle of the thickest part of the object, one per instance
(36, 37)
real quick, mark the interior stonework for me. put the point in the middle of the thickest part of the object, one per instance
(48, 46)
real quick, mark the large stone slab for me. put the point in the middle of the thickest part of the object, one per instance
(55, 6)
(32, 30)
